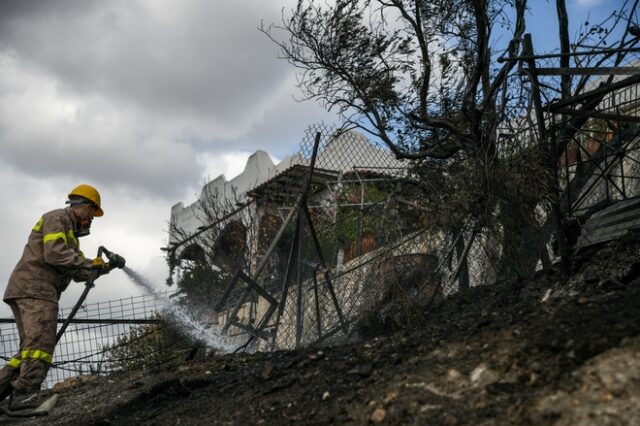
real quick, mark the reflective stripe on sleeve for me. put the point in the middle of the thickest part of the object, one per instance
(54, 236)
(37, 354)
(38, 225)
(14, 362)
(72, 236)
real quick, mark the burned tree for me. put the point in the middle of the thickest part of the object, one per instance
(419, 76)
(423, 78)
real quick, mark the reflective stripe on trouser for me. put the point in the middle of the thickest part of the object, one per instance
(37, 323)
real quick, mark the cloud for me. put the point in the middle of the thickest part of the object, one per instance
(50, 134)
(130, 93)
(178, 58)
(229, 164)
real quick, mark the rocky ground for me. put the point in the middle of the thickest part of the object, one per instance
(537, 352)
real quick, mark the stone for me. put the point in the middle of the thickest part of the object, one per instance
(590, 277)
(391, 396)
(453, 375)
(449, 420)
(267, 370)
(378, 415)
(73, 382)
(554, 405)
(614, 381)
(483, 376)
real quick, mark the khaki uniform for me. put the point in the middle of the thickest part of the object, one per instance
(50, 260)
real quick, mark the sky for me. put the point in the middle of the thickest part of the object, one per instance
(147, 100)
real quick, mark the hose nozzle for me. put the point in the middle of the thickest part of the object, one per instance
(115, 260)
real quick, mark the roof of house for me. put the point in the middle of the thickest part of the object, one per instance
(289, 183)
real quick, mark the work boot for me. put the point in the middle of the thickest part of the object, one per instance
(25, 400)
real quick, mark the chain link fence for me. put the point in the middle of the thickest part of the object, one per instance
(354, 247)
(381, 253)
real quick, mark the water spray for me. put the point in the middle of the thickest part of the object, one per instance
(211, 336)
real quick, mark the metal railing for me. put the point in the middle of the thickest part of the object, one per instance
(103, 338)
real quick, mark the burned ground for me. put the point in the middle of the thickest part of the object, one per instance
(534, 352)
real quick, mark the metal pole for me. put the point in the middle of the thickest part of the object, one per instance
(327, 276)
(359, 236)
(296, 240)
(621, 156)
(551, 162)
(317, 302)
(299, 312)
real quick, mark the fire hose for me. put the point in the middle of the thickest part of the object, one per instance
(115, 261)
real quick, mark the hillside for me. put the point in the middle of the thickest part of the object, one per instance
(536, 352)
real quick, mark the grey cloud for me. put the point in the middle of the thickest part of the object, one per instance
(152, 168)
(20, 10)
(286, 126)
(199, 58)
(281, 127)
(130, 92)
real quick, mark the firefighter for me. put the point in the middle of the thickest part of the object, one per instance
(50, 260)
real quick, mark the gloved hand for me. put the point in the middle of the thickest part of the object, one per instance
(100, 265)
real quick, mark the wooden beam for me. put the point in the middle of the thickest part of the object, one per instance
(589, 71)
(595, 114)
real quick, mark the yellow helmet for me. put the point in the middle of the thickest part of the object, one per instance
(90, 193)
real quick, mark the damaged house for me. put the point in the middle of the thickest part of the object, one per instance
(292, 294)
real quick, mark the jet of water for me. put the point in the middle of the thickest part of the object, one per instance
(210, 335)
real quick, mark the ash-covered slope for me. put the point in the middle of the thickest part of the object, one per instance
(536, 352)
